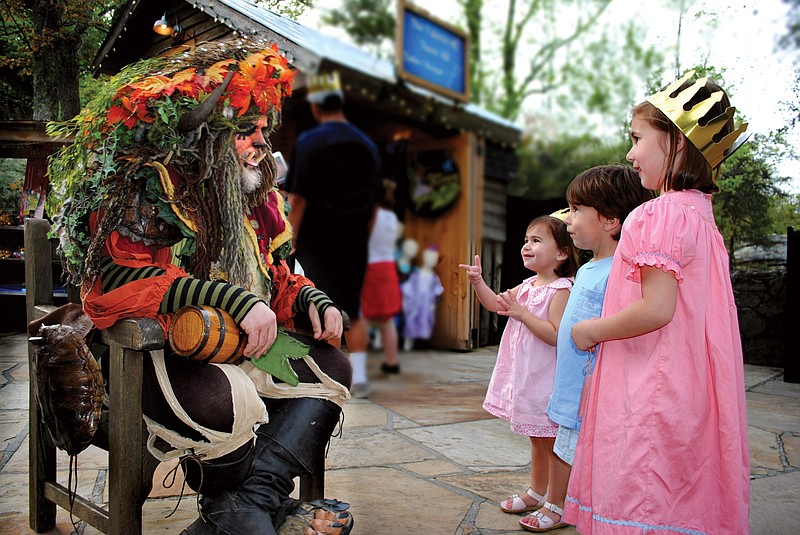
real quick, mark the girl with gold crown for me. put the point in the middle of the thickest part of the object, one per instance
(663, 445)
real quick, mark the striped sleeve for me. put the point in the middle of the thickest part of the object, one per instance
(188, 291)
(309, 295)
(184, 291)
(115, 276)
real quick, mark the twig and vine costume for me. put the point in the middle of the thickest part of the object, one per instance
(162, 211)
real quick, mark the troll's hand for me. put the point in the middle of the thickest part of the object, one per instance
(261, 327)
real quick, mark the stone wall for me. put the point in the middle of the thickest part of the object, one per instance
(760, 298)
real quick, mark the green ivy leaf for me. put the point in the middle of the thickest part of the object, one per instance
(276, 360)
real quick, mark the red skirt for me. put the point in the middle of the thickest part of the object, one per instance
(380, 297)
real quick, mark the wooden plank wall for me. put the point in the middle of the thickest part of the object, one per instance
(457, 233)
(494, 236)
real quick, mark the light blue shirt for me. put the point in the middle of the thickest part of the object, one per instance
(585, 301)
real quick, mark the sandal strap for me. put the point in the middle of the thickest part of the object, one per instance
(539, 498)
(553, 507)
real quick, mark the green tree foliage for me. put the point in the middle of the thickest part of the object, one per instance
(369, 22)
(12, 174)
(47, 47)
(785, 213)
(540, 47)
(547, 167)
(536, 24)
(791, 39)
(749, 185)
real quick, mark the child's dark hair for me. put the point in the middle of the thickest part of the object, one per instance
(693, 171)
(558, 229)
(612, 190)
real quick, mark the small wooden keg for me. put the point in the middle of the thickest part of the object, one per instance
(206, 334)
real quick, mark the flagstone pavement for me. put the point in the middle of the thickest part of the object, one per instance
(419, 456)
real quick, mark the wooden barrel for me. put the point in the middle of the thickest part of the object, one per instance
(206, 334)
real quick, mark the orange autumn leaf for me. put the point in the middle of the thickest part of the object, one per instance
(185, 83)
(217, 72)
(150, 87)
(240, 97)
(115, 115)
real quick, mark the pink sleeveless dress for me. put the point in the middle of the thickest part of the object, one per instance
(522, 380)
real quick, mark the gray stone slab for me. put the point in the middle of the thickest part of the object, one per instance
(369, 447)
(764, 451)
(20, 372)
(775, 413)
(779, 388)
(12, 424)
(436, 404)
(791, 445)
(390, 501)
(14, 346)
(482, 445)
(775, 505)
(492, 486)
(754, 375)
(14, 397)
(360, 413)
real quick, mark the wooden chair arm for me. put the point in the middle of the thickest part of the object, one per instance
(137, 334)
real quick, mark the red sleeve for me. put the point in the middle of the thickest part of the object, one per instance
(285, 287)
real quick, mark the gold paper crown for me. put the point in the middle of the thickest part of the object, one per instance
(322, 85)
(561, 214)
(702, 137)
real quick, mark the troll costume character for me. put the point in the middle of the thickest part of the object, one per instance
(169, 199)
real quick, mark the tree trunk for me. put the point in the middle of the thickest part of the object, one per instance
(54, 65)
(472, 12)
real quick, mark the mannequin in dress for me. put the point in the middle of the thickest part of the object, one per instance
(408, 256)
(421, 294)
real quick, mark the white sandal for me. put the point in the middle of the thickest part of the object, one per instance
(545, 522)
(519, 506)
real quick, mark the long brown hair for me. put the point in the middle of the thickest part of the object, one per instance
(692, 171)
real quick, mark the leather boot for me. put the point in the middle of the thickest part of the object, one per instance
(288, 445)
(210, 478)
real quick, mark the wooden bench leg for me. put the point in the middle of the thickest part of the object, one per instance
(41, 466)
(312, 486)
(125, 441)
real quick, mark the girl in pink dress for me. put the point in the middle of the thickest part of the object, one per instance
(522, 379)
(663, 447)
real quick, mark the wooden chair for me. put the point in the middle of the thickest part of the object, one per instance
(130, 467)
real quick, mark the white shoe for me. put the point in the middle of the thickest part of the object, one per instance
(360, 390)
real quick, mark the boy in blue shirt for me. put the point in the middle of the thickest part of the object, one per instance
(599, 199)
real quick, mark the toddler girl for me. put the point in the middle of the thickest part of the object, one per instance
(522, 379)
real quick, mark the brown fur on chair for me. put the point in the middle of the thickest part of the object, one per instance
(70, 314)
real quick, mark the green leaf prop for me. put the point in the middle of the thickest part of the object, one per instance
(276, 360)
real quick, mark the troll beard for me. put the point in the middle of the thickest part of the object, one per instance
(251, 179)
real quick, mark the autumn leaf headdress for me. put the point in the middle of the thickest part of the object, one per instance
(177, 110)
(261, 79)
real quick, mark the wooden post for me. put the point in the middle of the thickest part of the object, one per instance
(791, 362)
(41, 450)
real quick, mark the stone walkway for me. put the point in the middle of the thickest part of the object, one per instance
(419, 456)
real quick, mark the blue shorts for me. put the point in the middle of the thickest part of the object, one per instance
(566, 443)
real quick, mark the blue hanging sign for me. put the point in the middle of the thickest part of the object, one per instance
(432, 53)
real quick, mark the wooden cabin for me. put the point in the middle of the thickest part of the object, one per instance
(426, 124)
